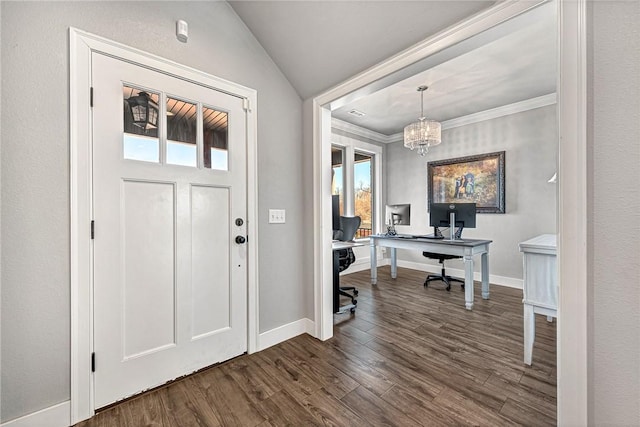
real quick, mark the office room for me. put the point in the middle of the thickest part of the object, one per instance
(498, 110)
(79, 346)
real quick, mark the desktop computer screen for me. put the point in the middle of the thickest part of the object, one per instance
(398, 214)
(439, 214)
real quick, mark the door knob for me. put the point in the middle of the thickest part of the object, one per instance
(240, 240)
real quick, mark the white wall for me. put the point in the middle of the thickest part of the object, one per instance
(614, 217)
(35, 309)
(531, 143)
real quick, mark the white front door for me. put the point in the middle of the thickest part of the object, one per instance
(169, 200)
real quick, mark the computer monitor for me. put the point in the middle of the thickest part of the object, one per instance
(335, 212)
(398, 214)
(440, 216)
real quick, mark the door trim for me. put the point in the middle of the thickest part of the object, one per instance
(572, 194)
(81, 46)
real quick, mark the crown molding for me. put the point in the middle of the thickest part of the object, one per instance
(359, 131)
(494, 113)
(505, 110)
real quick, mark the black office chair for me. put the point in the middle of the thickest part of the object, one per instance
(348, 227)
(442, 276)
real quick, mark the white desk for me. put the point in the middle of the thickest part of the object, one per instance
(466, 248)
(540, 286)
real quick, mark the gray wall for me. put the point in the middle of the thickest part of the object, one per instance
(35, 172)
(35, 246)
(614, 213)
(531, 144)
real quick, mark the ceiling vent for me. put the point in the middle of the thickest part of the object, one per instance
(357, 113)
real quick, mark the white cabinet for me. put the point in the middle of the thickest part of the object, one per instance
(540, 285)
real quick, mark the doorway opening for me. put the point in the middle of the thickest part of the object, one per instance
(572, 167)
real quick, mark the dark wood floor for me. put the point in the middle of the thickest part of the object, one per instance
(410, 356)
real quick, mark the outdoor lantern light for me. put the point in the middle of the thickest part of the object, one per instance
(144, 111)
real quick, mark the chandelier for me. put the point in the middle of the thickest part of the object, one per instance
(424, 133)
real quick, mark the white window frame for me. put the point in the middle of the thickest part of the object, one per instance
(350, 146)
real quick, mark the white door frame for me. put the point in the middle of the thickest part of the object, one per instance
(81, 45)
(572, 192)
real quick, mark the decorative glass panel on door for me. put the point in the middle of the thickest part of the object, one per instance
(215, 139)
(182, 124)
(140, 124)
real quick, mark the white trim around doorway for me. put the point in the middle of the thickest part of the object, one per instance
(572, 173)
(81, 46)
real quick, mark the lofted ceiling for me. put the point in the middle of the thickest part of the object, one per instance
(320, 44)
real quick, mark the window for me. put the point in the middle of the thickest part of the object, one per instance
(337, 175)
(215, 154)
(141, 140)
(181, 132)
(356, 177)
(190, 133)
(363, 192)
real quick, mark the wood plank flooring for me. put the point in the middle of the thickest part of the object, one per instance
(410, 356)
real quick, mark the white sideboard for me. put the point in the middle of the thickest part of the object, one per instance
(540, 285)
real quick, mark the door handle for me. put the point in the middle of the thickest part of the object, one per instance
(240, 240)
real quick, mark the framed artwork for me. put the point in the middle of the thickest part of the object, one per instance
(474, 179)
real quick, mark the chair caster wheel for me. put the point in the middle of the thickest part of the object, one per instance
(355, 301)
(448, 288)
(426, 284)
(355, 292)
(352, 310)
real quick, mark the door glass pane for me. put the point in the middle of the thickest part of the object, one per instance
(337, 176)
(215, 139)
(363, 192)
(140, 120)
(181, 132)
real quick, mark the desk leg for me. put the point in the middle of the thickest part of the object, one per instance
(485, 275)
(468, 281)
(374, 262)
(529, 332)
(336, 281)
(394, 264)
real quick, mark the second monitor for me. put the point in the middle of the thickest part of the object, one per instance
(464, 214)
(398, 214)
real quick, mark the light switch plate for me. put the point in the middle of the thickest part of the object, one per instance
(277, 216)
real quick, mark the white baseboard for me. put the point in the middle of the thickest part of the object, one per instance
(54, 416)
(361, 265)
(285, 332)
(509, 282)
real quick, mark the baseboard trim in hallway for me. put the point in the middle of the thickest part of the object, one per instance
(54, 416)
